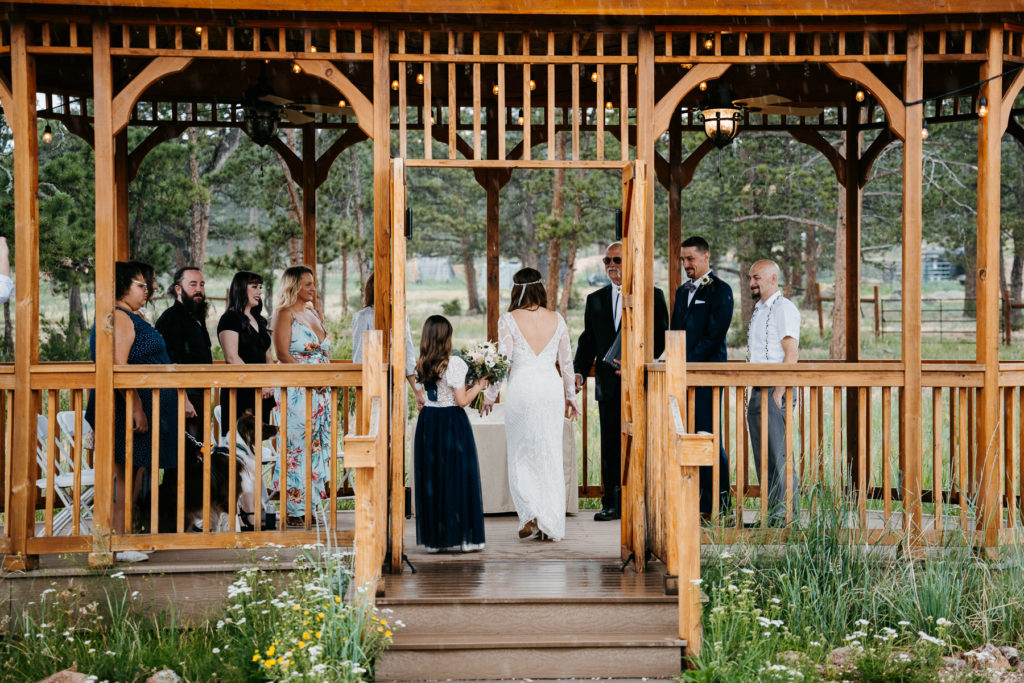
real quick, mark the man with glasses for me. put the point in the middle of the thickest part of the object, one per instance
(183, 327)
(602, 319)
(703, 307)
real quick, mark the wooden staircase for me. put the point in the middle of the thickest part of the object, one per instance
(492, 625)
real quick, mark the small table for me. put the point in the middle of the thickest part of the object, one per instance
(491, 448)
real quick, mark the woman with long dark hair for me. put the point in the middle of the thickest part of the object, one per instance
(449, 502)
(245, 337)
(534, 338)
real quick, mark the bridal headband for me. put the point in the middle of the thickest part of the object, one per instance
(524, 285)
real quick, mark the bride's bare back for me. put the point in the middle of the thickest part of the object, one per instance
(537, 326)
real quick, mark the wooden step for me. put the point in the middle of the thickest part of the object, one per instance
(629, 656)
(530, 617)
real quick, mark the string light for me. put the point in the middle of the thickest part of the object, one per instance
(419, 79)
(495, 89)
(312, 48)
(533, 84)
(609, 105)
(924, 133)
(687, 66)
(521, 119)
(859, 96)
(47, 134)
(296, 68)
(341, 103)
(199, 30)
(709, 43)
(703, 86)
(982, 108)
(394, 85)
(593, 77)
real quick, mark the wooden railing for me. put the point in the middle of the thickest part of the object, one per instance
(844, 431)
(63, 488)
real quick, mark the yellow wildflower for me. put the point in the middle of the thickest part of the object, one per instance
(302, 644)
(387, 633)
(305, 635)
(318, 634)
(337, 599)
(271, 650)
(256, 657)
(269, 663)
(305, 612)
(295, 608)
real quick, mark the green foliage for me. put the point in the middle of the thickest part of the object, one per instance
(453, 307)
(63, 342)
(301, 628)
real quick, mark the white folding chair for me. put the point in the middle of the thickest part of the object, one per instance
(63, 479)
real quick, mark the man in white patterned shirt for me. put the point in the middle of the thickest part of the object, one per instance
(773, 337)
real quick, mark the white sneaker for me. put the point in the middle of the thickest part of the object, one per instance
(130, 556)
(472, 547)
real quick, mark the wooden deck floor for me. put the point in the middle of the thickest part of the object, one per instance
(583, 565)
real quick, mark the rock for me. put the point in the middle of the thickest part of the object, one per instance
(164, 676)
(954, 663)
(66, 676)
(842, 657)
(1012, 654)
(988, 657)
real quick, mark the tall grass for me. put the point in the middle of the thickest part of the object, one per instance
(305, 626)
(789, 606)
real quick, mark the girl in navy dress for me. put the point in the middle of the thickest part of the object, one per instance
(449, 504)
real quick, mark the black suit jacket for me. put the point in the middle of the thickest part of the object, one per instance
(599, 333)
(706, 320)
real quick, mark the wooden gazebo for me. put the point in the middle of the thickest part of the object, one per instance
(488, 87)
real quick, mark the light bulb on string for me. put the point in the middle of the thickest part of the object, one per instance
(394, 84)
(341, 103)
(924, 133)
(593, 77)
(982, 108)
(533, 84)
(419, 79)
(709, 43)
(703, 86)
(296, 68)
(859, 96)
(47, 134)
(199, 30)
(609, 105)
(495, 89)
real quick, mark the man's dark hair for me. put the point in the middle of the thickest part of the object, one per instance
(180, 273)
(699, 243)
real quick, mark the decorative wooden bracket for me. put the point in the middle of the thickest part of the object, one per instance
(667, 105)
(129, 95)
(1009, 95)
(328, 71)
(163, 133)
(894, 110)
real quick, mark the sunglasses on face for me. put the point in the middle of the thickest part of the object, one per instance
(613, 259)
(144, 285)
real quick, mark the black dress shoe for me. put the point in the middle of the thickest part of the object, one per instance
(608, 515)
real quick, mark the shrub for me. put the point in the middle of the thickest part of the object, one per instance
(453, 307)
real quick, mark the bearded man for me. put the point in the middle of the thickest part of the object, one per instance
(183, 327)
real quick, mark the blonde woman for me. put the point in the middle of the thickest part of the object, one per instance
(300, 337)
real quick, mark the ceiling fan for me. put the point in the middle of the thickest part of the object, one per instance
(262, 109)
(776, 104)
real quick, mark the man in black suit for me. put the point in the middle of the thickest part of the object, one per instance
(601, 321)
(703, 307)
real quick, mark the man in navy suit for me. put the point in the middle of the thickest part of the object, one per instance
(602, 318)
(703, 307)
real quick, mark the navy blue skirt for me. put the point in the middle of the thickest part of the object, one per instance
(449, 504)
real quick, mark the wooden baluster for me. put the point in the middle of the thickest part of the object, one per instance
(258, 489)
(715, 467)
(837, 431)
(762, 466)
(51, 459)
(282, 461)
(335, 478)
(937, 455)
(741, 457)
(787, 408)
(181, 453)
(76, 463)
(886, 453)
(308, 512)
(863, 472)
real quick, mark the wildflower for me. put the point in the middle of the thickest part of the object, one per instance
(305, 635)
(271, 650)
(48, 591)
(942, 621)
(337, 599)
(747, 571)
(931, 639)
(903, 623)
(387, 633)
(696, 582)
(117, 575)
(216, 650)
(269, 663)
(256, 657)
(862, 622)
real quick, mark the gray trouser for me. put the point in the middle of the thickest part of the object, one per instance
(776, 453)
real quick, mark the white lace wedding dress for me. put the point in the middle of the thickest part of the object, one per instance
(534, 410)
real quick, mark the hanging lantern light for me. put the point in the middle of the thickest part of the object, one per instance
(982, 108)
(47, 135)
(259, 116)
(720, 115)
(859, 96)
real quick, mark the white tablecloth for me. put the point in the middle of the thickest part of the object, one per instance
(489, 432)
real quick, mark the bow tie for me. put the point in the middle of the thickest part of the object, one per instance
(690, 286)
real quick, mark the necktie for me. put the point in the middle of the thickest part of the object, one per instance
(617, 305)
(690, 286)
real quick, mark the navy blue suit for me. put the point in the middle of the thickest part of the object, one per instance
(706, 321)
(599, 333)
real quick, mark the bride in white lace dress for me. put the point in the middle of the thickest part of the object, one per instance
(533, 338)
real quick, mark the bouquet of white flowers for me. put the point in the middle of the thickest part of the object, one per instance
(483, 360)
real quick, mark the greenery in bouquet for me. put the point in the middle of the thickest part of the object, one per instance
(483, 360)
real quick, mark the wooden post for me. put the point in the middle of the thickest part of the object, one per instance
(688, 452)
(493, 251)
(361, 453)
(382, 179)
(987, 345)
(851, 313)
(638, 299)
(400, 393)
(23, 122)
(121, 182)
(911, 409)
(675, 219)
(309, 185)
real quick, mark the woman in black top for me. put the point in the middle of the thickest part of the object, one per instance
(245, 338)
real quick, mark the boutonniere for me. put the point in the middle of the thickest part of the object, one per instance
(705, 281)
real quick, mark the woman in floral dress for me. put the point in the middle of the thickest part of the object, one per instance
(300, 337)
